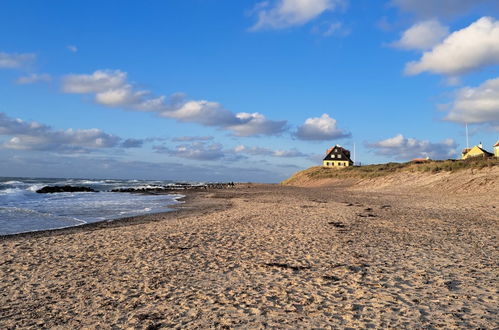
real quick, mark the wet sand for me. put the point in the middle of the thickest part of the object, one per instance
(265, 256)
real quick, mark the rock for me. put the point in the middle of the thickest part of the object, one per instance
(175, 187)
(58, 189)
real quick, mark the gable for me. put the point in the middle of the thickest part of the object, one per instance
(338, 154)
(476, 151)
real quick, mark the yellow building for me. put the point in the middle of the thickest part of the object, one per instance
(476, 151)
(496, 149)
(337, 157)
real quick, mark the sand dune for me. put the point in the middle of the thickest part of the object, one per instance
(484, 180)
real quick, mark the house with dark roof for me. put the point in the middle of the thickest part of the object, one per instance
(476, 151)
(337, 157)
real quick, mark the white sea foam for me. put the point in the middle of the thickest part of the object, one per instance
(13, 182)
(22, 209)
(35, 187)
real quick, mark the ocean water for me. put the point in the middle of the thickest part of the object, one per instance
(23, 210)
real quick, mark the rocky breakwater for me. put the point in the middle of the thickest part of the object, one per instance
(176, 187)
(59, 189)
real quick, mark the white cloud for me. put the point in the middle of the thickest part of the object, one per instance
(72, 48)
(194, 150)
(201, 150)
(50, 165)
(260, 151)
(33, 78)
(321, 128)
(402, 148)
(132, 143)
(422, 35)
(14, 61)
(328, 29)
(35, 136)
(477, 105)
(466, 50)
(202, 112)
(98, 82)
(436, 8)
(286, 13)
(192, 138)
(112, 89)
(249, 124)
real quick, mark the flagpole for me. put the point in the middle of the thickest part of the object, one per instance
(467, 142)
(354, 154)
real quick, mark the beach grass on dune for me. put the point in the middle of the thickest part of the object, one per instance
(378, 170)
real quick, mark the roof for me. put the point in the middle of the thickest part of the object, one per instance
(485, 151)
(420, 160)
(466, 150)
(497, 144)
(338, 153)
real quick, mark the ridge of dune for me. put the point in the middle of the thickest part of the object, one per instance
(473, 180)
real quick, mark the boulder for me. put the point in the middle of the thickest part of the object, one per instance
(58, 189)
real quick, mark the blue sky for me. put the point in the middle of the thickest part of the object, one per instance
(241, 90)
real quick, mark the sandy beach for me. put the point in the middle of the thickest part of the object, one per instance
(261, 256)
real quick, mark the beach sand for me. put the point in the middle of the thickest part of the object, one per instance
(266, 256)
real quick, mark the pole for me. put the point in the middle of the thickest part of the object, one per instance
(354, 154)
(467, 142)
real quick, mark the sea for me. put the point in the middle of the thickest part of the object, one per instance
(24, 210)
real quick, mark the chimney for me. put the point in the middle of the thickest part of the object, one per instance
(480, 145)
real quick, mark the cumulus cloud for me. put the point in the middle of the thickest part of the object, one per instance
(15, 61)
(201, 112)
(328, 29)
(35, 136)
(192, 138)
(97, 82)
(320, 129)
(111, 88)
(422, 35)
(194, 150)
(249, 124)
(201, 150)
(214, 114)
(132, 143)
(33, 78)
(260, 151)
(286, 13)
(100, 166)
(466, 50)
(436, 8)
(477, 104)
(402, 148)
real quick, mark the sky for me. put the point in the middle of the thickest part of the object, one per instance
(224, 90)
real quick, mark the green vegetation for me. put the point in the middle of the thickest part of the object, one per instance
(372, 171)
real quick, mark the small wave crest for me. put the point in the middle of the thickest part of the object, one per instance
(35, 187)
(13, 182)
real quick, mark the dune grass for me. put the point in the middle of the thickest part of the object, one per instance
(377, 170)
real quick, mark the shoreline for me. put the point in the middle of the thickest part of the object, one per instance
(186, 207)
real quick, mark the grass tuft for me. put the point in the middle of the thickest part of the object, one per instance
(378, 170)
